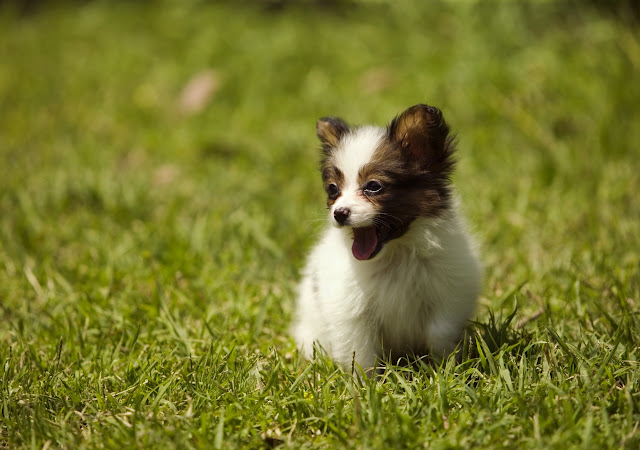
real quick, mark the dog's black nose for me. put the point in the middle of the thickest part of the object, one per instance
(341, 215)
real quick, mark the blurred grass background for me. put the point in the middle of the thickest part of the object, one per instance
(159, 191)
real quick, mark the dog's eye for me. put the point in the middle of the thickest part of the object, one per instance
(332, 190)
(373, 187)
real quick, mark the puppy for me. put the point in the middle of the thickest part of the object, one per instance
(395, 273)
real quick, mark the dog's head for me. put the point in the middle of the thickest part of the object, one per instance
(379, 180)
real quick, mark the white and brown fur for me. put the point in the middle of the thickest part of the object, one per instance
(396, 273)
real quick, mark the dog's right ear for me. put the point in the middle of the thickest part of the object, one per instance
(330, 130)
(424, 137)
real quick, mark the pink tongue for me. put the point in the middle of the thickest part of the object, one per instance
(365, 241)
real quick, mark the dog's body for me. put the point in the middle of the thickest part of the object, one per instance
(397, 275)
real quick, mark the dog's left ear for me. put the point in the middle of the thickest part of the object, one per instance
(330, 130)
(423, 133)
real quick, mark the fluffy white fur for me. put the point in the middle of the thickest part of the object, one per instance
(416, 294)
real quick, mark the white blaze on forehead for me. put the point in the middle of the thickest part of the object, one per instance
(355, 150)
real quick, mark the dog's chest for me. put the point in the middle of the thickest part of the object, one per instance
(399, 293)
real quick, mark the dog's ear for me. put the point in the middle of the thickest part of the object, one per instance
(423, 134)
(330, 130)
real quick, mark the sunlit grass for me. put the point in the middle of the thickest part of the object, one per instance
(149, 254)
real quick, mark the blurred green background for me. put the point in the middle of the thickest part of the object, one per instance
(159, 185)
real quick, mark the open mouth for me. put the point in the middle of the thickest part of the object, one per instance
(368, 241)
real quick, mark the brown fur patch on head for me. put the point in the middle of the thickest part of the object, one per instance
(413, 165)
(331, 175)
(330, 130)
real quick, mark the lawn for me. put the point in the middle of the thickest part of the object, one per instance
(159, 192)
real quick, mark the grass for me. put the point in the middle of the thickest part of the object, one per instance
(149, 255)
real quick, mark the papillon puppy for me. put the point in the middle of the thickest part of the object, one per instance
(395, 273)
